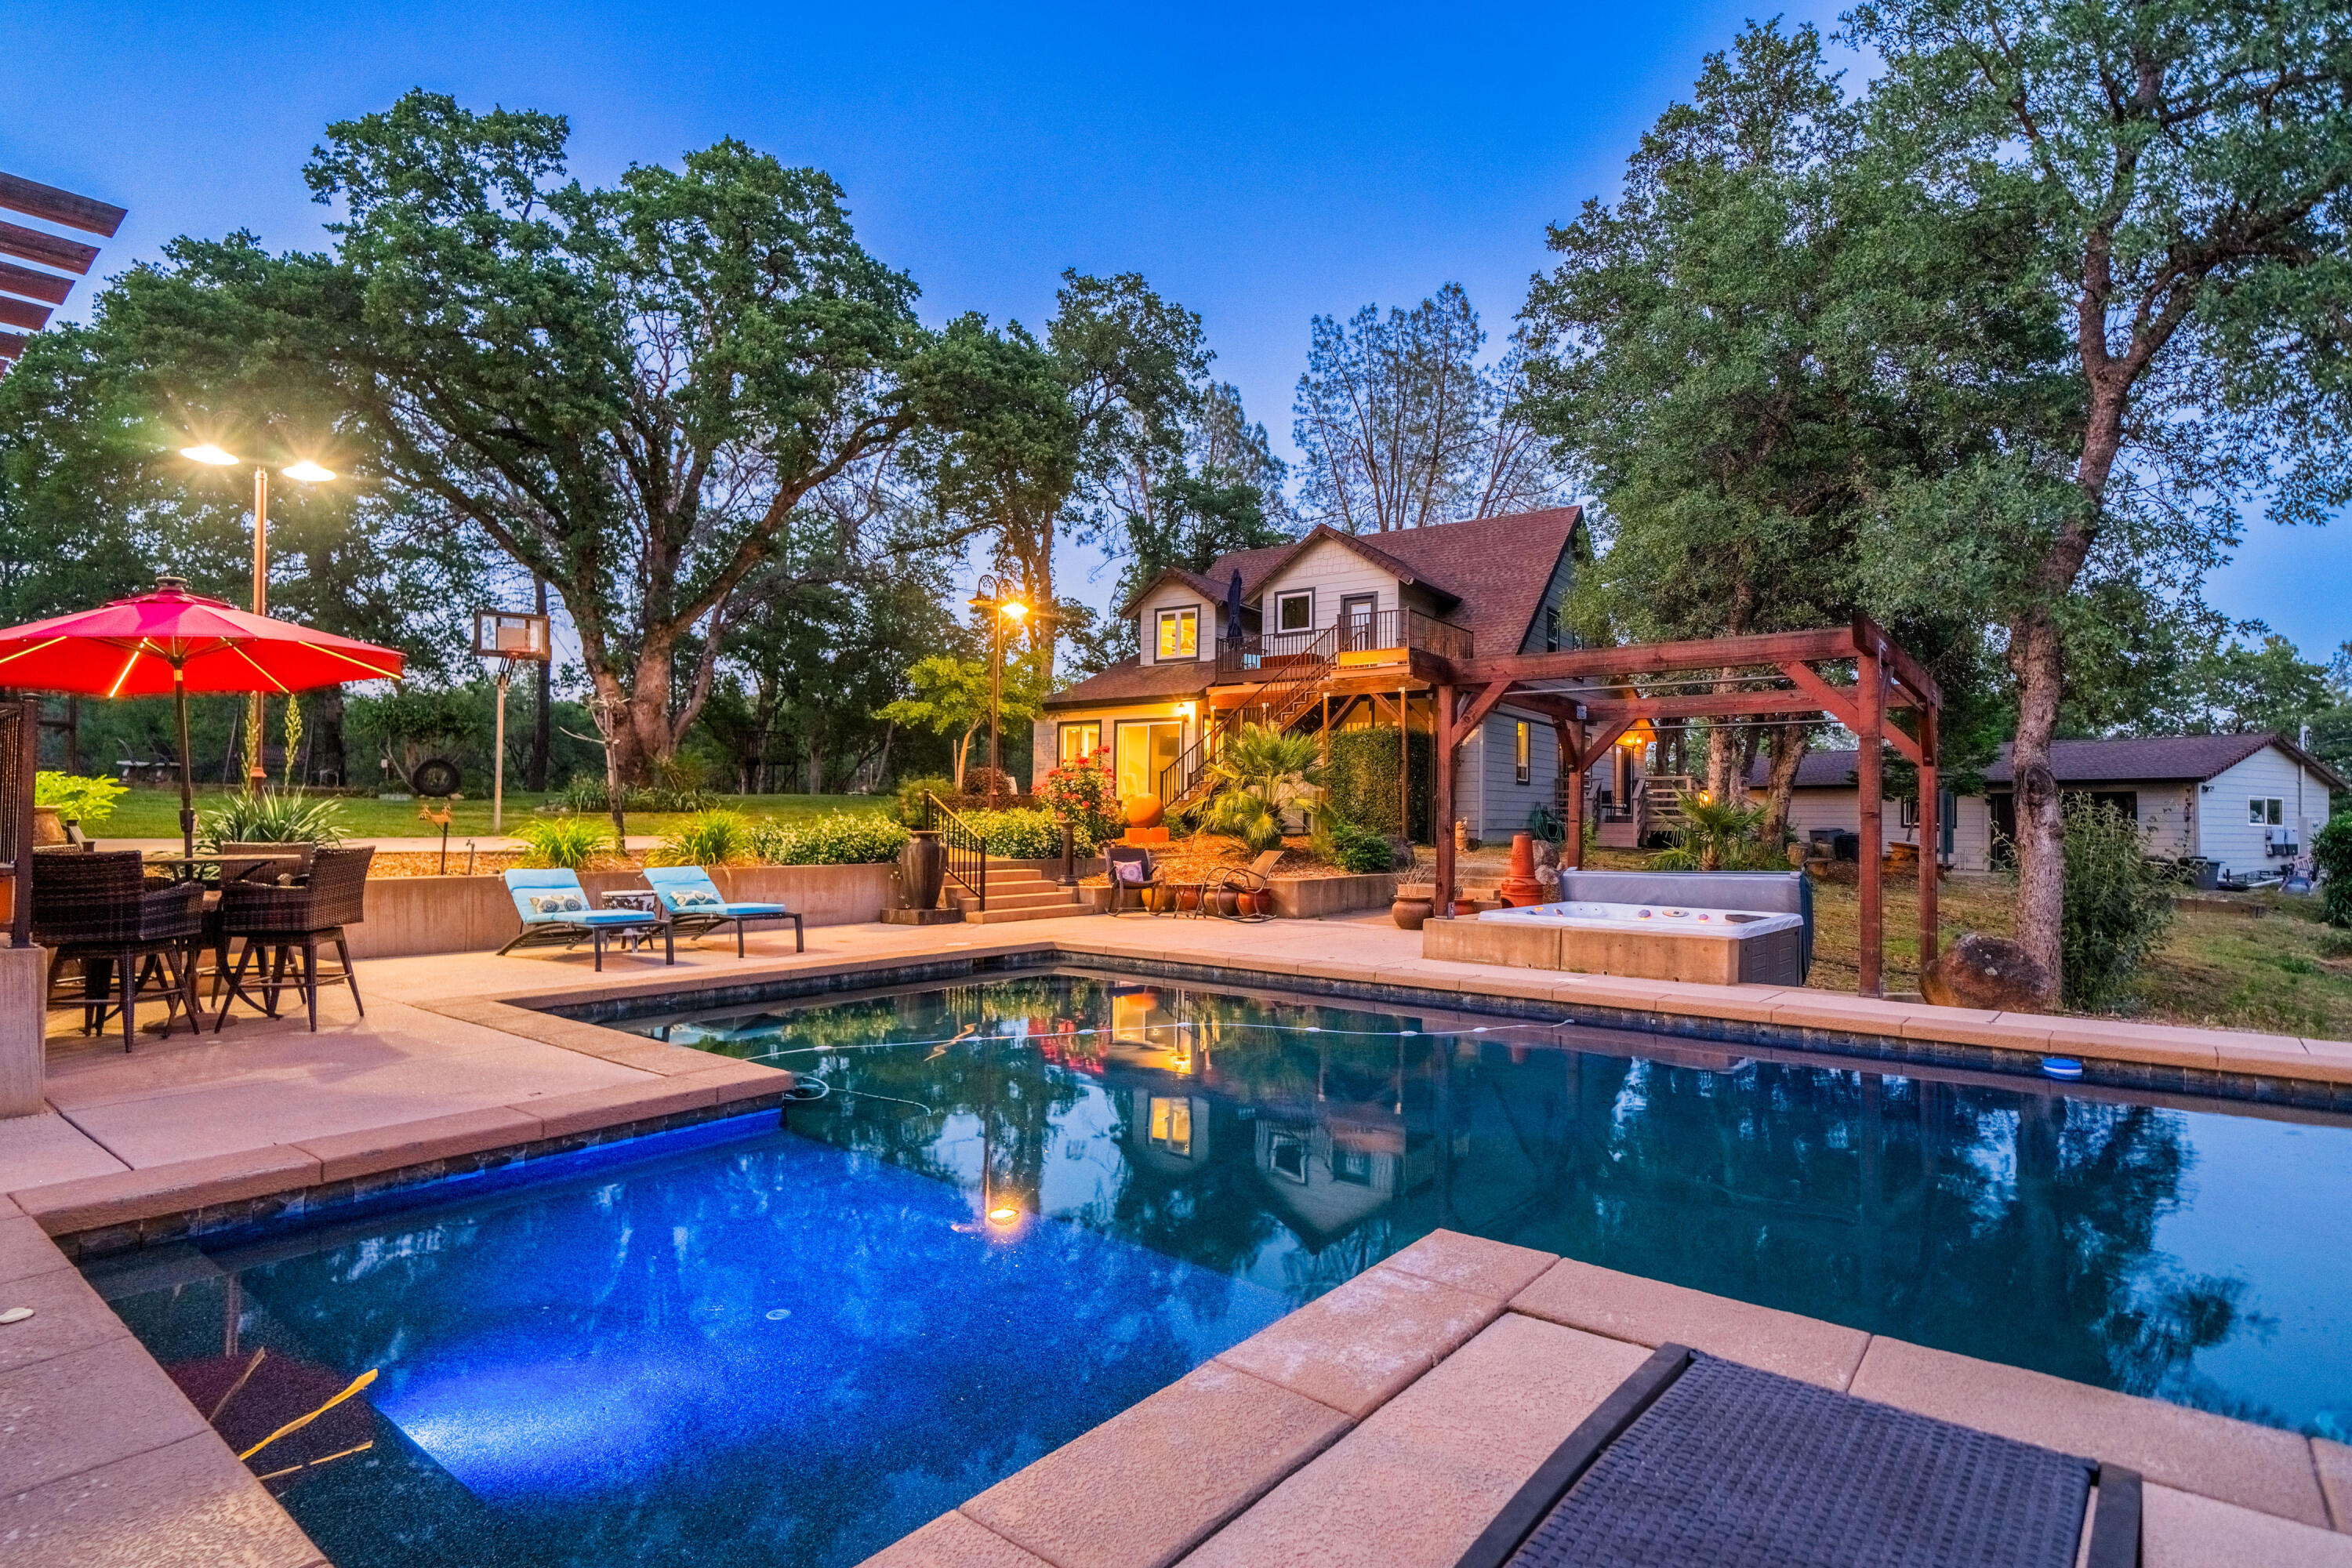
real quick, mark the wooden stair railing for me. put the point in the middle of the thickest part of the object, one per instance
(1278, 703)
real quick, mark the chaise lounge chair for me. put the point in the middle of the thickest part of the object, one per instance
(692, 905)
(556, 912)
(1696, 1461)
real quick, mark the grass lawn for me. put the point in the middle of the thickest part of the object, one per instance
(155, 813)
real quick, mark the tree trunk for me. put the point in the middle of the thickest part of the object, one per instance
(542, 722)
(327, 737)
(1788, 752)
(2035, 660)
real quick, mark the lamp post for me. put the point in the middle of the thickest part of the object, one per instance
(309, 473)
(1000, 599)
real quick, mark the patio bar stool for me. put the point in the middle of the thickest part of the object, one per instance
(95, 907)
(278, 922)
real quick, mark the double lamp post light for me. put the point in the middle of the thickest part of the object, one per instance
(309, 473)
(1000, 598)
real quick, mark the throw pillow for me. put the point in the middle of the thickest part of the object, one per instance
(696, 900)
(1131, 873)
(557, 903)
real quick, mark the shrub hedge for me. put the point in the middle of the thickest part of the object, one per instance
(1362, 780)
(838, 838)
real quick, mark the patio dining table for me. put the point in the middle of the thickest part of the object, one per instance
(186, 867)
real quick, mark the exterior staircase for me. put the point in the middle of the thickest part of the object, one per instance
(1019, 891)
(1280, 700)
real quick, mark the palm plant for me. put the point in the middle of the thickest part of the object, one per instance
(1718, 835)
(1259, 774)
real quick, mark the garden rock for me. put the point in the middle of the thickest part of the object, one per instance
(1987, 973)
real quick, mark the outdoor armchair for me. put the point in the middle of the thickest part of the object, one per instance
(278, 921)
(692, 905)
(1132, 870)
(556, 911)
(95, 906)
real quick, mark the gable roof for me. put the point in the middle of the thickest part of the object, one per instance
(1493, 569)
(2153, 759)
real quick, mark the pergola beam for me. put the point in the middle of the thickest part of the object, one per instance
(1659, 659)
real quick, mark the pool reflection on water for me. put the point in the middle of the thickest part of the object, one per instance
(1027, 1202)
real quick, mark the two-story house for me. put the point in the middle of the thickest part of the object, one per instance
(1335, 630)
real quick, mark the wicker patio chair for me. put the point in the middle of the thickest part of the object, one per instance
(277, 922)
(95, 907)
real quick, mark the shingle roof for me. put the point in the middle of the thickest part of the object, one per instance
(1495, 568)
(1137, 682)
(2151, 758)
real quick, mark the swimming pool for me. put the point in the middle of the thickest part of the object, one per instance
(1026, 1202)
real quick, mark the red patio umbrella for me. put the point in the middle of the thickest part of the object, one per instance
(175, 641)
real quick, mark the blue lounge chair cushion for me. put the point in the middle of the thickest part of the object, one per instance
(615, 918)
(741, 911)
(688, 890)
(555, 897)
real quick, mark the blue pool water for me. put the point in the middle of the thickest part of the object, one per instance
(1026, 1203)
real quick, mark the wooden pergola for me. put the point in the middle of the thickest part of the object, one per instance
(1595, 696)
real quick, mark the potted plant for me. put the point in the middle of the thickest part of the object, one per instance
(1414, 903)
(60, 799)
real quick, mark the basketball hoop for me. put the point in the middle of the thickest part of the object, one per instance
(512, 638)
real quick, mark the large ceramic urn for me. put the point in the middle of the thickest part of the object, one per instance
(924, 864)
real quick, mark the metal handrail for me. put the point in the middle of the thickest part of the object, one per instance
(964, 847)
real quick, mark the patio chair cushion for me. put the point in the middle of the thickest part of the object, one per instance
(615, 918)
(1134, 873)
(695, 898)
(558, 903)
(744, 910)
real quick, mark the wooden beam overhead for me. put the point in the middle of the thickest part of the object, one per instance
(1659, 659)
(12, 344)
(49, 249)
(54, 205)
(33, 285)
(1908, 672)
(23, 313)
(1484, 705)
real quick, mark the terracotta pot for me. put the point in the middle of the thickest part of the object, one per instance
(1229, 901)
(47, 827)
(1248, 902)
(1142, 810)
(1188, 898)
(1410, 912)
(1465, 908)
(1519, 887)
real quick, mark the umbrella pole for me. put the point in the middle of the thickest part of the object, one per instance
(188, 774)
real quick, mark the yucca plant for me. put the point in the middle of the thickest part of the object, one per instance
(272, 817)
(1258, 774)
(562, 843)
(708, 839)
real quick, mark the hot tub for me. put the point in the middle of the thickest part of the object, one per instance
(1640, 941)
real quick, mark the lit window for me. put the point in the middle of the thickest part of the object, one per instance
(1295, 612)
(1519, 759)
(1179, 634)
(1172, 1124)
(1080, 741)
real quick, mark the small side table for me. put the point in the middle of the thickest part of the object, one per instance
(637, 899)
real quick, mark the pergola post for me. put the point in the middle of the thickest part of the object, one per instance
(1571, 757)
(1404, 763)
(1444, 827)
(1870, 699)
(1931, 833)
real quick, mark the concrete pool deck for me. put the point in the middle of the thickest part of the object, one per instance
(102, 1462)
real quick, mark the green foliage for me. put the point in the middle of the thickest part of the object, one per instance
(1718, 836)
(1240, 814)
(2331, 854)
(707, 839)
(1675, 859)
(568, 843)
(1361, 781)
(2118, 902)
(909, 805)
(586, 794)
(272, 817)
(1353, 847)
(1085, 795)
(1258, 774)
(838, 838)
(951, 698)
(1026, 833)
(89, 800)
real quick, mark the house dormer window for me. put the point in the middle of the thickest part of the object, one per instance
(1295, 612)
(1179, 634)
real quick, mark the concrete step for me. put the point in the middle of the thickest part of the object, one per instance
(1027, 899)
(992, 915)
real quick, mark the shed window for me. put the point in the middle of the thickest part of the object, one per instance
(1180, 633)
(2268, 811)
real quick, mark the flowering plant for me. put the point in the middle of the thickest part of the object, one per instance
(1083, 794)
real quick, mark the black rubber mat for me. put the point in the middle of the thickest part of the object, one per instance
(1731, 1467)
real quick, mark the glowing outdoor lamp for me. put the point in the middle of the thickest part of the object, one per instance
(212, 455)
(1003, 1217)
(996, 595)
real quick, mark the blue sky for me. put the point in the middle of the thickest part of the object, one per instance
(1258, 164)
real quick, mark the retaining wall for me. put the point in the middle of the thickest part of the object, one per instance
(409, 915)
(1304, 897)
